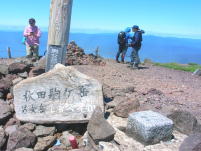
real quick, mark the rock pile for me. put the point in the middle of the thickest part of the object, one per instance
(77, 56)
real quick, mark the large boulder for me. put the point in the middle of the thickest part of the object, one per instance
(5, 112)
(184, 121)
(124, 108)
(191, 143)
(98, 128)
(149, 127)
(21, 138)
(16, 68)
(60, 95)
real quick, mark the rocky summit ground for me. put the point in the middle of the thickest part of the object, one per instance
(160, 89)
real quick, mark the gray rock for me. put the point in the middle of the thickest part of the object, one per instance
(149, 127)
(62, 95)
(124, 108)
(23, 75)
(3, 69)
(44, 143)
(64, 138)
(42, 131)
(5, 112)
(10, 129)
(15, 68)
(106, 146)
(184, 121)
(98, 128)
(24, 149)
(191, 143)
(3, 137)
(21, 138)
(58, 148)
(29, 126)
(197, 72)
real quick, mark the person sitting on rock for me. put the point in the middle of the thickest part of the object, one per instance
(123, 38)
(32, 34)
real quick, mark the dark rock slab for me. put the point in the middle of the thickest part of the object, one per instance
(36, 71)
(98, 128)
(5, 112)
(15, 68)
(184, 121)
(191, 143)
(21, 138)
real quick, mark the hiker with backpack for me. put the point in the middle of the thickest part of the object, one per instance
(32, 34)
(123, 38)
(136, 46)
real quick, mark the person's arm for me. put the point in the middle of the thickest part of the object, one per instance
(26, 32)
(136, 39)
(38, 33)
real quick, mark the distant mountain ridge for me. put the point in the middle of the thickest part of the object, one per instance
(159, 49)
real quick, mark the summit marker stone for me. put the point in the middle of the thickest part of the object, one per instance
(62, 95)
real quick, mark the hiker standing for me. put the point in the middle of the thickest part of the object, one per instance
(32, 34)
(136, 46)
(123, 38)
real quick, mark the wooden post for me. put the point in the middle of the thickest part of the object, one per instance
(58, 35)
(9, 52)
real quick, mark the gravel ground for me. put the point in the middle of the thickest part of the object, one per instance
(180, 90)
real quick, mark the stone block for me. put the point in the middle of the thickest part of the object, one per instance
(149, 127)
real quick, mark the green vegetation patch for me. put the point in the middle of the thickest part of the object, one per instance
(191, 67)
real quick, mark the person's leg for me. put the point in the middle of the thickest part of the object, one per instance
(118, 53)
(28, 51)
(35, 51)
(132, 56)
(136, 57)
(124, 53)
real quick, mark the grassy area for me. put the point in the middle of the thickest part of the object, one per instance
(191, 67)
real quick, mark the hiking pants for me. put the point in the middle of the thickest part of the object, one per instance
(135, 59)
(122, 50)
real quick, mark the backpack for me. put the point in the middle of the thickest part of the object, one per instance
(122, 38)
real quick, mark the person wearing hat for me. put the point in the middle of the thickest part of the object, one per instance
(32, 34)
(123, 38)
(136, 46)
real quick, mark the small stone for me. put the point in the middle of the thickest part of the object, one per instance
(106, 146)
(197, 72)
(29, 126)
(149, 127)
(58, 148)
(21, 138)
(23, 75)
(98, 128)
(24, 149)
(3, 137)
(5, 112)
(65, 138)
(10, 129)
(42, 131)
(44, 143)
(9, 96)
(36, 71)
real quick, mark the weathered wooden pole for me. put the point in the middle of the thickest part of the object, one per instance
(58, 34)
(9, 52)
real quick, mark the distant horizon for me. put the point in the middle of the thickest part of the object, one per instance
(104, 31)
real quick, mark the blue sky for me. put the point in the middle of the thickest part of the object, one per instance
(170, 17)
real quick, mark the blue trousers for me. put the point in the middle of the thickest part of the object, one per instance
(135, 59)
(122, 50)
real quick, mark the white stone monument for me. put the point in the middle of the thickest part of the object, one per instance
(62, 95)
